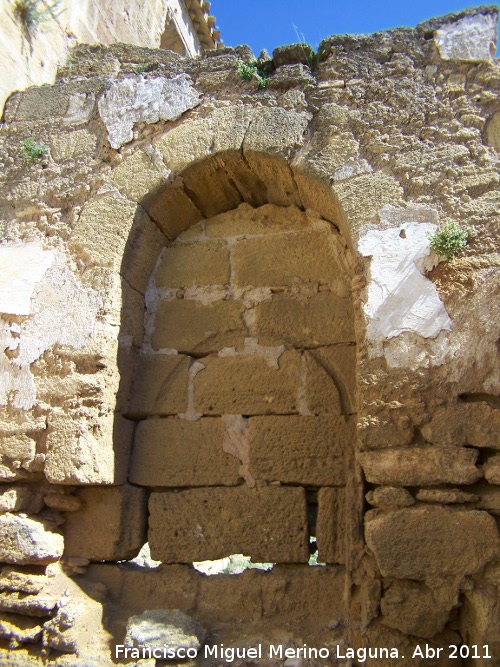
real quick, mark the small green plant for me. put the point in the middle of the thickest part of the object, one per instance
(30, 14)
(33, 151)
(249, 71)
(142, 67)
(449, 240)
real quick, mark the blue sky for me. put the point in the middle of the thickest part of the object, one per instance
(269, 23)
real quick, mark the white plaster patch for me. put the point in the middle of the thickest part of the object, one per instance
(470, 38)
(62, 312)
(400, 297)
(140, 99)
(23, 266)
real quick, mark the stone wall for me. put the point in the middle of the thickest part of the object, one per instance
(224, 329)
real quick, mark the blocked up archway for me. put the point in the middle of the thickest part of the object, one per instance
(245, 389)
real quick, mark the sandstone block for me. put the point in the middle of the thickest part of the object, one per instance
(174, 452)
(172, 209)
(186, 265)
(28, 541)
(312, 451)
(266, 219)
(493, 131)
(144, 244)
(421, 466)
(247, 385)
(388, 496)
(492, 469)
(164, 628)
(286, 260)
(71, 145)
(186, 143)
(268, 524)
(321, 319)
(425, 542)
(110, 525)
(446, 496)
(331, 380)
(230, 125)
(160, 387)
(193, 327)
(476, 424)
(331, 526)
(416, 609)
(136, 176)
(489, 499)
(480, 617)
(275, 130)
(211, 186)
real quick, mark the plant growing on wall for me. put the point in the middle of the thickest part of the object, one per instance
(450, 239)
(30, 14)
(33, 151)
(248, 71)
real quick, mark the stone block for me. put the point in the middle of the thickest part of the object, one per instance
(312, 451)
(287, 260)
(196, 328)
(136, 176)
(144, 244)
(446, 496)
(230, 125)
(162, 629)
(423, 543)
(110, 525)
(421, 466)
(480, 616)
(492, 131)
(186, 143)
(71, 145)
(416, 609)
(187, 265)
(390, 496)
(268, 524)
(489, 499)
(276, 131)
(80, 453)
(476, 424)
(211, 186)
(267, 219)
(247, 385)
(492, 469)
(174, 452)
(41, 102)
(331, 526)
(28, 540)
(275, 173)
(161, 385)
(301, 321)
(331, 380)
(172, 209)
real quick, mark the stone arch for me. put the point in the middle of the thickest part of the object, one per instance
(302, 326)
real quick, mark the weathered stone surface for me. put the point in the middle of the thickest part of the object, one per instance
(331, 526)
(160, 387)
(480, 617)
(312, 451)
(114, 534)
(267, 219)
(174, 452)
(26, 541)
(276, 131)
(164, 628)
(492, 469)
(17, 629)
(247, 385)
(130, 100)
(416, 609)
(20, 498)
(489, 498)
(446, 496)
(286, 260)
(185, 144)
(62, 502)
(476, 424)
(172, 209)
(331, 380)
(185, 265)
(421, 466)
(37, 606)
(493, 131)
(229, 126)
(470, 38)
(389, 496)
(431, 541)
(268, 524)
(321, 319)
(12, 579)
(196, 328)
(71, 145)
(137, 176)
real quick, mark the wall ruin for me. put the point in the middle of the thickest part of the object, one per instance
(223, 326)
